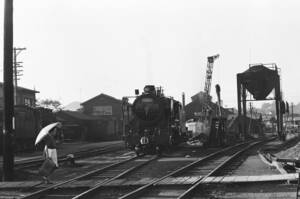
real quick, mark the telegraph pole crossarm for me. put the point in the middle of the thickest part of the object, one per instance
(17, 73)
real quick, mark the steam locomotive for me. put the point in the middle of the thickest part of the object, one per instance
(155, 123)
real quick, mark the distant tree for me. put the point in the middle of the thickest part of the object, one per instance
(268, 107)
(296, 108)
(50, 103)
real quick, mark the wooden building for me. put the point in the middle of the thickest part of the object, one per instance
(107, 111)
(76, 125)
(25, 96)
(194, 109)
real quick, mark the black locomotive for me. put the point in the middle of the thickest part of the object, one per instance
(155, 123)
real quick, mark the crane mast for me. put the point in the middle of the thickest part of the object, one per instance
(209, 71)
(208, 78)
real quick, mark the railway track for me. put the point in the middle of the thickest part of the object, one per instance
(92, 184)
(200, 169)
(36, 162)
(92, 180)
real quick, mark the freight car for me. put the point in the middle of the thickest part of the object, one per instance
(28, 122)
(156, 122)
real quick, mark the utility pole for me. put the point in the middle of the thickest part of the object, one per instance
(8, 111)
(183, 102)
(17, 65)
(292, 113)
(251, 110)
(183, 113)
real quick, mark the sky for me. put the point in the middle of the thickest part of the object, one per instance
(77, 49)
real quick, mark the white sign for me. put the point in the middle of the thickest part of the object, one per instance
(198, 114)
(102, 110)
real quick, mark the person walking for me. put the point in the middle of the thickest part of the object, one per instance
(50, 155)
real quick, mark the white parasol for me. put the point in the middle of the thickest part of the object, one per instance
(45, 131)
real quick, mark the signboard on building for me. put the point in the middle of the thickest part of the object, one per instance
(102, 110)
(199, 114)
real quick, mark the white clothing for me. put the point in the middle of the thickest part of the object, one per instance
(52, 154)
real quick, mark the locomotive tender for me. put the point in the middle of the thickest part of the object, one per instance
(156, 122)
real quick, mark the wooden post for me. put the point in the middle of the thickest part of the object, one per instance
(8, 92)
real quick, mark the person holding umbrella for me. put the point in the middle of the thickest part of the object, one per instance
(48, 134)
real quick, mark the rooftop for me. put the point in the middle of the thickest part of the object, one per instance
(102, 95)
(76, 115)
(21, 88)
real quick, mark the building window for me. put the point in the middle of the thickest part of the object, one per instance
(27, 101)
(102, 110)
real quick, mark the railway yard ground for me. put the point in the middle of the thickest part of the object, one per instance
(108, 170)
(78, 149)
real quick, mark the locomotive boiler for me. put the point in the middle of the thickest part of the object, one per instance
(155, 123)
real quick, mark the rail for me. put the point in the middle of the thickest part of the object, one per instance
(23, 164)
(154, 183)
(46, 190)
(190, 191)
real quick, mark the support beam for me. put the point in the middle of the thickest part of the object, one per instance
(279, 115)
(239, 104)
(244, 105)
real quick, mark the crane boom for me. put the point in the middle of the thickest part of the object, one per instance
(209, 71)
(208, 78)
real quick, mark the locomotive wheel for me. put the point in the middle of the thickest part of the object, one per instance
(137, 151)
(158, 150)
(126, 145)
(171, 140)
